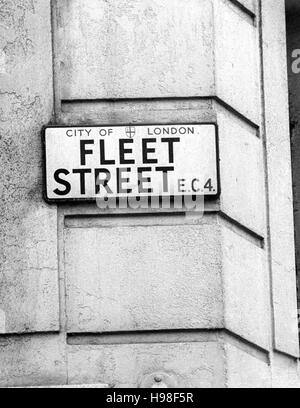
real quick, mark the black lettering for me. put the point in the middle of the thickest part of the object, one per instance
(83, 151)
(121, 180)
(181, 185)
(102, 182)
(165, 171)
(124, 151)
(62, 182)
(103, 160)
(171, 141)
(147, 150)
(142, 180)
(82, 173)
(195, 190)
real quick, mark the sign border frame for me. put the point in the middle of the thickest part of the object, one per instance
(71, 201)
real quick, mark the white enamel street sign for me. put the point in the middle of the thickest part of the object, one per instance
(83, 163)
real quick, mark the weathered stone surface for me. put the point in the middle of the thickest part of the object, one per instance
(154, 275)
(279, 179)
(284, 371)
(199, 365)
(135, 48)
(145, 54)
(245, 370)
(236, 60)
(143, 277)
(32, 360)
(241, 172)
(246, 288)
(28, 247)
(154, 111)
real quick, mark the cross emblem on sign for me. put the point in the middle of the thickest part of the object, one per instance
(130, 131)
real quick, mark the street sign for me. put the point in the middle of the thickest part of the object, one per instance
(88, 162)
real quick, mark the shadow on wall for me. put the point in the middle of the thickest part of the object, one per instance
(293, 55)
(292, 5)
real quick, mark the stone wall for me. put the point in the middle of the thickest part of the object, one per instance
(102, 297)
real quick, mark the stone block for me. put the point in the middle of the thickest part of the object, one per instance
(198, 365)
(28, 248)
(143, 277)
(135, 49)
(32, 360)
